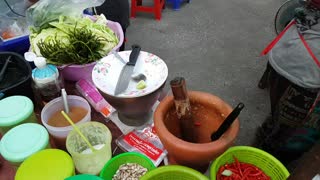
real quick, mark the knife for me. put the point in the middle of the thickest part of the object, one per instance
(126, 72)
(115, 53)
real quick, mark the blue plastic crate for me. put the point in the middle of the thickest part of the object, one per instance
(19, 45)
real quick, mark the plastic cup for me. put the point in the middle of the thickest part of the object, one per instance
(60, 134)
(97, 134)
(22, 141)
(48, 164)
(15, 110)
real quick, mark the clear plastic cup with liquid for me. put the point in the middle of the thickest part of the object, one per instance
(86, 161)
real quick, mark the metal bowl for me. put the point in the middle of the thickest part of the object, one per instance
(134, 111)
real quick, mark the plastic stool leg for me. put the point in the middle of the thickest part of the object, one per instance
(157, 9)
(133, 8)
(176, 4)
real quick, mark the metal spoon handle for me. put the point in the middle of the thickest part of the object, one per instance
(65, 100)
(4, 68)
(227, 122)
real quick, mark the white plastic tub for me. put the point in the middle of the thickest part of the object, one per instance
(55, 105)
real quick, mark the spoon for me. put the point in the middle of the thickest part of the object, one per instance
(65, 100)
(4, 68)
(227, 122)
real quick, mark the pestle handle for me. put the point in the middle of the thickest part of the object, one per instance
(183, 108)
(227, 122)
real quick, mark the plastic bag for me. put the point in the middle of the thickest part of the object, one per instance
(11, 27)
(144, 141)
(46, 11)
(14, 8)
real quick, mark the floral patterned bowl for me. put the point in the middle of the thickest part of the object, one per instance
(107, 71)
(133, 105)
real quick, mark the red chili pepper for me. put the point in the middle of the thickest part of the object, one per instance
(197, 123)
(238, 165)
(241, 171)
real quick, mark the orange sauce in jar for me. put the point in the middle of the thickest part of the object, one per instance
(76, 114)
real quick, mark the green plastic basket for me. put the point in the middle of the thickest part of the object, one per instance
(84, 177)
(173, 172)
(114, 163)
(263, 160)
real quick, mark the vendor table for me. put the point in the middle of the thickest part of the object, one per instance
(308, 165)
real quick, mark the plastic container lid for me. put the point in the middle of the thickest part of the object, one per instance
(84, 177)
(15, 109)
(47, 74)
(43, 73)
(48, 164)
(22, 141)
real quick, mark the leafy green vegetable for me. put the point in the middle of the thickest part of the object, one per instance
(74, 40)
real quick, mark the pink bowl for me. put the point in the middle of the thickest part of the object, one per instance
(77, 72)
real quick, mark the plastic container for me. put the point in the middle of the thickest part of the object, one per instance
(47, 83)
(16, 25)
(17, 79)
(18, 45)
(48, 164)
(174, 172)
(77, 72)
(15, 110)
(110, 169)
(84, 177)
(97, 134)
(60, 133)
(261, 159)
(22, 141)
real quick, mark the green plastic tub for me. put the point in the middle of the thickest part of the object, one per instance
(15, 110)
(261, 159)
(113, 164)
(23, 141)
(84, 177)
(173, 172)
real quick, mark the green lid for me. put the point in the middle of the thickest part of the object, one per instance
(15, 109)
(48, 164)
(22, 141)
(84, 177)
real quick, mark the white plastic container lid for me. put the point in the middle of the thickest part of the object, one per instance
(22, 141)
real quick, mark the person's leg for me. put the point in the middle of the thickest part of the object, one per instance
(283, 134)
(263, 83)
(122, 47)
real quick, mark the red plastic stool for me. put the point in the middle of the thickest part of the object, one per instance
(136, 6)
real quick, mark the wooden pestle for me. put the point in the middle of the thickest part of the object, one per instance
(183, 108)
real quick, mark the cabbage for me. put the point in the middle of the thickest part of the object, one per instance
(48, 35)
(60, 31)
